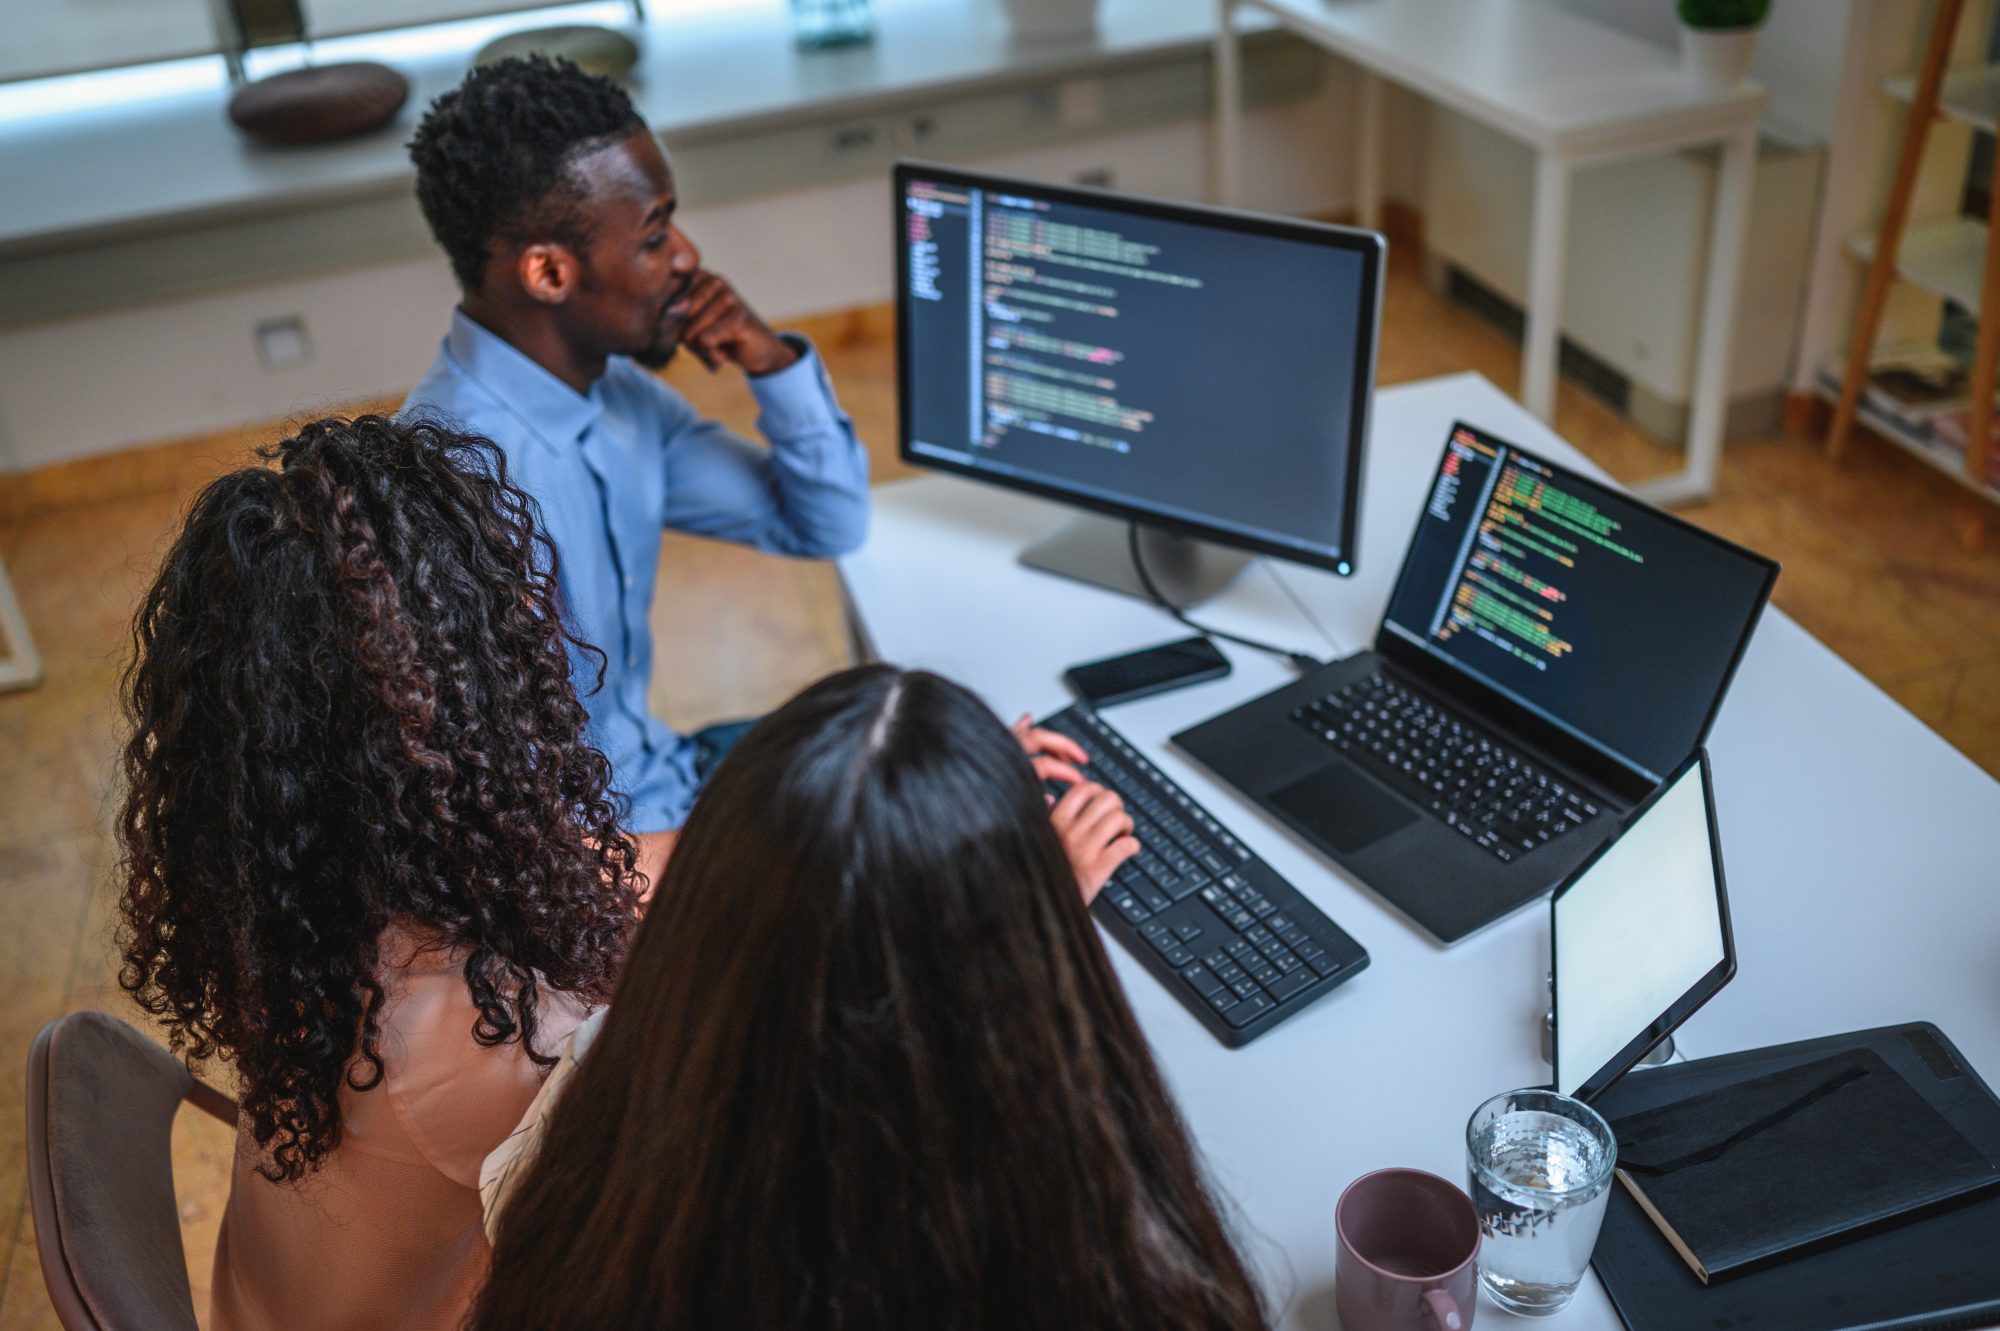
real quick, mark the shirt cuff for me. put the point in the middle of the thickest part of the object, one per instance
(799, 398)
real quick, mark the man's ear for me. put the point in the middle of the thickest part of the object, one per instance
(547, 271)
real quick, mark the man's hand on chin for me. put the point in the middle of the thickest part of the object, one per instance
(721, 330)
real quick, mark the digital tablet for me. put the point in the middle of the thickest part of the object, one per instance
(1640, 934)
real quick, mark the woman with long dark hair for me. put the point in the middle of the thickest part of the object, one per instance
(370, 860)
(868, 1068)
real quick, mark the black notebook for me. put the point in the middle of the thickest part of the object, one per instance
(1934, 1271)
(1773, 1164)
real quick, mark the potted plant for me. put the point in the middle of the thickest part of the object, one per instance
(1717, 39)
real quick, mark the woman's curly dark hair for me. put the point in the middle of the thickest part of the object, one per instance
(351, 707)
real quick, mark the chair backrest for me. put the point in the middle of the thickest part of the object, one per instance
(101, 1104)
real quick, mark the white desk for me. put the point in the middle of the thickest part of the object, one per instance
(1859, 850)
(1578, 93)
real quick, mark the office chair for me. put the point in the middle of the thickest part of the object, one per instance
(101, 1105)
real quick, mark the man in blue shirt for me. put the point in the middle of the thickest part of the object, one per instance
(556, 207)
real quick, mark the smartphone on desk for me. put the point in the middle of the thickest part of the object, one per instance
(1152, 670)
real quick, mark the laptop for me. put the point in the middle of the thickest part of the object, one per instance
(1552, 650)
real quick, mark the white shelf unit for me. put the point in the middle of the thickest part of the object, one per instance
(1970, 95)
(1945, 258)
(1927, 447)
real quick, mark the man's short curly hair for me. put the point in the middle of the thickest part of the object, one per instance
(493, 156)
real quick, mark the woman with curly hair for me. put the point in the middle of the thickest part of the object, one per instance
(369, 858)
(868, 1068)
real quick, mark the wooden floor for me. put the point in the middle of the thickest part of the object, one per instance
(1891, 565)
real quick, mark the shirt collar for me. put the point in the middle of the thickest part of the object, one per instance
(553, 411)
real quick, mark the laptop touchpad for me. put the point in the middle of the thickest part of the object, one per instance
(1343, 807)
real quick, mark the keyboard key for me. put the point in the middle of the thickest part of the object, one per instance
(1323, 965)
(1244, 987)
(1128, 906)
(1187, 932)
(1248, 1010)
(1222, 1000)
(1203, 980)
(1291, 983)
(1178, 956)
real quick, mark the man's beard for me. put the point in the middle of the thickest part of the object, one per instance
(659, 355)
(666, 343)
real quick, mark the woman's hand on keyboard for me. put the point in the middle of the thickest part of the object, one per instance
(1056, 756)
(1096, 834)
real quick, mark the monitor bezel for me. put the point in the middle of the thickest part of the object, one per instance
(1696, 995)
(1340, 555)
(1617, 773)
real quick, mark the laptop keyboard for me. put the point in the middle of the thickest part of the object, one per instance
(1234, 942)
(1503, 801)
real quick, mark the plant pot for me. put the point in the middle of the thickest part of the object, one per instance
(1716, 59)
(1051, 20)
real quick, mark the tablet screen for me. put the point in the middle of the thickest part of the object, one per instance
(1641, 936)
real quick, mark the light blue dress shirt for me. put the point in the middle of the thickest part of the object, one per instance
(611, 470)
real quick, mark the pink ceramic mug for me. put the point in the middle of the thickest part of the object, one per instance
(1409, 1254)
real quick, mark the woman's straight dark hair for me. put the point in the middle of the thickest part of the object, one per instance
(868, 1068)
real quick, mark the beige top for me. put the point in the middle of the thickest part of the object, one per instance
(386, 1234)
(501, 1175)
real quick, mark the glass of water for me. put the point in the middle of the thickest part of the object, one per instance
(1541, 1177)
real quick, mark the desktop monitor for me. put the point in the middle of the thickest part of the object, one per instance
(1199, 377)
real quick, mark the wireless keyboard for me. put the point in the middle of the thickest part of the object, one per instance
(1231, 939)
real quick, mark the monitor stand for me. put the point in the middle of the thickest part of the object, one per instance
(1099, 551)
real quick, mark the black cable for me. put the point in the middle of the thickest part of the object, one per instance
(1299, 660)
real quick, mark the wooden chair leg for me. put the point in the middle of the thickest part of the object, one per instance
(1882, 269)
